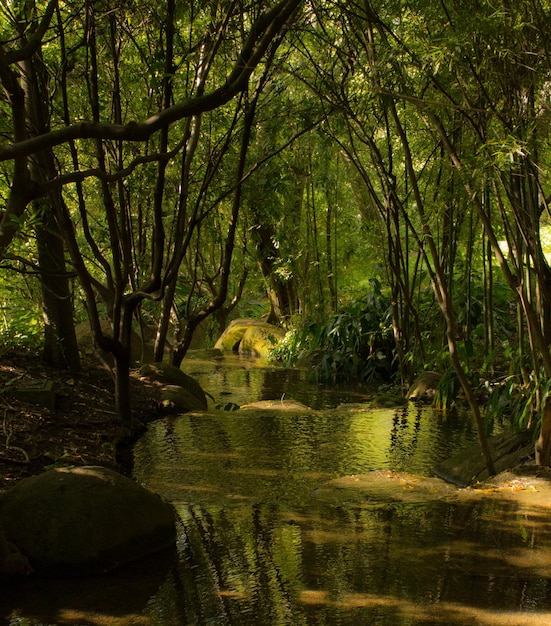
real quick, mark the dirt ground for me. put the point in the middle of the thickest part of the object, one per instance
(82, 429)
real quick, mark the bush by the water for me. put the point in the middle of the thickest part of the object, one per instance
(355, 345)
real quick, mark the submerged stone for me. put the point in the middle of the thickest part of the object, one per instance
(277, 405)
(381, 487)
(526, 485)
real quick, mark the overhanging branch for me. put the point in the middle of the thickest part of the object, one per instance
(262, 33)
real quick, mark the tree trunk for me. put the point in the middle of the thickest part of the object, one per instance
(283, 295)
(164, 322)
(543, 444)
(122, 390)
(120, 346)
(60, 343)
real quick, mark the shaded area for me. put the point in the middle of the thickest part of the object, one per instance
(120, 598)
(391, 565)
(260, 547)
(82, 429)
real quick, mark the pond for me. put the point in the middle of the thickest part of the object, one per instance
(259, 543)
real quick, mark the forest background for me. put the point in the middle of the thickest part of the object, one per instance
(373, 176)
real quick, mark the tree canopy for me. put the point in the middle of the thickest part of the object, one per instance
(371, 172)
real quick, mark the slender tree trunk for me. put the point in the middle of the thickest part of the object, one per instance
(164, 322)
(331, 264)
(468, 391)
(123, 402)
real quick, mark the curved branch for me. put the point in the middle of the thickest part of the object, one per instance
(262, 33)
(79, 176)
(16, 56)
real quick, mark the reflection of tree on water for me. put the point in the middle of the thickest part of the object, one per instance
(211, 437)
(229, 571)
(242, 379)
(403, 438)
(261, 565)
(190, 595)
(284, 384)
(258, 548)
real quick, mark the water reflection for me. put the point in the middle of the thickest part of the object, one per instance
(242, 379)
(392, 565)
(263, 455)
(258, 546)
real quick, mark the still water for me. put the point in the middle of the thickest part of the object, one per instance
(257, 545)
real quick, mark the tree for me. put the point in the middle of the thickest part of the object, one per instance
(30, 115)
(417, 107)
(121, 285)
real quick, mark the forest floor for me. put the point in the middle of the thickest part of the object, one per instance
(82, 429)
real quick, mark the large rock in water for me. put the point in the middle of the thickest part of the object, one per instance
(249, 336)
(84, 521)
(260, 339)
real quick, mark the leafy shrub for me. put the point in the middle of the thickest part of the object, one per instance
(23, 329)
(356, 344)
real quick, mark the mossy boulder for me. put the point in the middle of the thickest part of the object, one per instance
(250, 336)
(260, 339)
(424, 387)
(171, 376)
(84, 521)
(230, 339)
(176, 399)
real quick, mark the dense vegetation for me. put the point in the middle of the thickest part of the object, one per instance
(371, 175)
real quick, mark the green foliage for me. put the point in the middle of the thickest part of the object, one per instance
(21, 317)
(447, 390)
(21, 324)
(334, 206)
(509, 400)
(355, 345)
(517, 401)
